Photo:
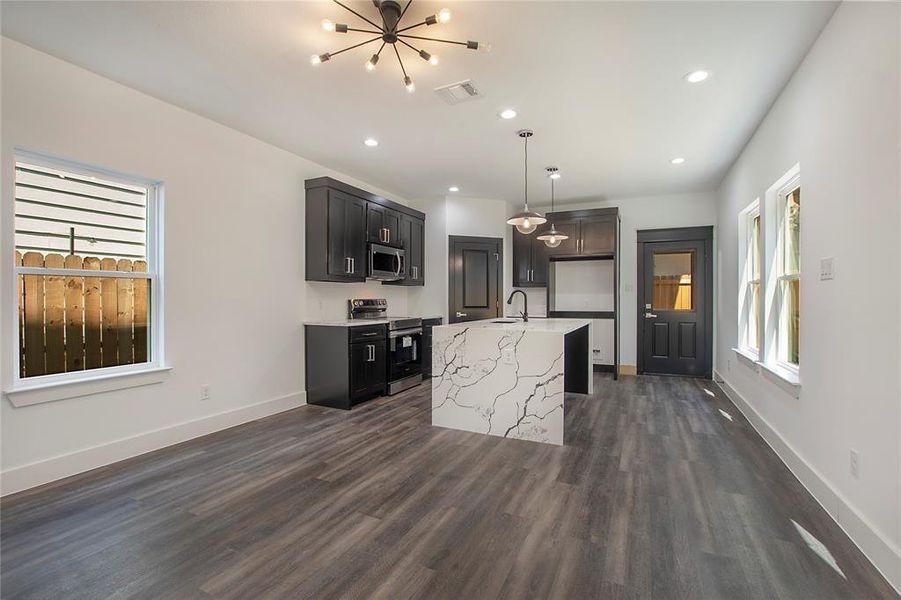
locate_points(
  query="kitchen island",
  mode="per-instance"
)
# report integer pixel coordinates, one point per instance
(506, 377)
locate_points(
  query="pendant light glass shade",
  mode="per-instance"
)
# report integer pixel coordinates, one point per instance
(552, 237)
(527, 221)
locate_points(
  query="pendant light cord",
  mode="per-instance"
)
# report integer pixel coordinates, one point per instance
(525, 174)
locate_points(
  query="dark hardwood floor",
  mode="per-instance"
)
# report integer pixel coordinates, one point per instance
(656, 494)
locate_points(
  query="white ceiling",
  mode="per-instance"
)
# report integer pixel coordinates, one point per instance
(599, 82)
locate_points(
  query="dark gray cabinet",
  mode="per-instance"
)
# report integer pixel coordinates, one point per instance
(530, 256)
(382, 225)
(597, 235)
(345, 365)
(368, 369)
(346, 255)
(342, 220)
(335, 236)
(412, 239)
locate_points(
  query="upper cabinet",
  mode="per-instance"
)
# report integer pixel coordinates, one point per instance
(597, 234)
(592, 232)
(530, 257)
(342, 220)
(383, 225)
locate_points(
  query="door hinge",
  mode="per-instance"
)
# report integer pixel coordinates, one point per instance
(497, 256)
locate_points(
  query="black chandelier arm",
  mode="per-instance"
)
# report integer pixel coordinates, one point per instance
(419, 37)
(409, 27)
(403, 12)
(413, 48)
(382, 47)
(364, 31)
(369, 41)
(345, 7)
(399, 60)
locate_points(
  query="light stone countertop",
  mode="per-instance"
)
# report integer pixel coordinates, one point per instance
(563, 326)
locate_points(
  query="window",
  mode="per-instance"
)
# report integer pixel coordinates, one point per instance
(749, 228)
(87, 271)
(769, 293)
(788, 286)
(672, 280)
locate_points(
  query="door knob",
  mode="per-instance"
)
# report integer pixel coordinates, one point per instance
(648, 315)
(459, 314)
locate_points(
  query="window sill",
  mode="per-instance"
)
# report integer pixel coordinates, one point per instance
(747, 356)
(27, 393)
(788, 380)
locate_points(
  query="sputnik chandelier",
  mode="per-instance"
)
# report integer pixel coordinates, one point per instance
(390, 32)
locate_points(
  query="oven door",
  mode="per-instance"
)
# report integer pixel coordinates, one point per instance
(404, 353)
(386, 263)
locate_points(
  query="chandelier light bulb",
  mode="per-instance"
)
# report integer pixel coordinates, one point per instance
(372, 62)
(552, 242)
(484, 47)
(408, 83)
(315, 60)
(433, 60)
(328, 25)
(444, 15)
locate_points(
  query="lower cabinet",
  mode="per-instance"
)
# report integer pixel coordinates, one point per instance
(345, 365)
(368, 369)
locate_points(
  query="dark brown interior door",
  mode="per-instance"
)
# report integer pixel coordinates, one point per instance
(475, 275)
(674, 311)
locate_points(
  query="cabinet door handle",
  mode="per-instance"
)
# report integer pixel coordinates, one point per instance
(348, 265)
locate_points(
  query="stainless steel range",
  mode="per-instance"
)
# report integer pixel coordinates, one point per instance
(404, 342)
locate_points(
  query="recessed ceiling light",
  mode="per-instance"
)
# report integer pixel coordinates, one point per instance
(371, 142)
(678, 160)
(697, 76)
(508, 113)
(453, 188)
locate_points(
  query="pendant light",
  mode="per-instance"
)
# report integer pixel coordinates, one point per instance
(552, 237)
(526, 221)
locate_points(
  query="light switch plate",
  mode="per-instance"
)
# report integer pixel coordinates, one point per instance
(827, 268)
(509, 356)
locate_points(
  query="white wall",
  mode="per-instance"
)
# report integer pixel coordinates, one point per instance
(839, 118)
(234, 268)
(649, 212)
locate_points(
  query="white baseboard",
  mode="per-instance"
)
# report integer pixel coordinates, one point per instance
(58, 467)
(877, 547)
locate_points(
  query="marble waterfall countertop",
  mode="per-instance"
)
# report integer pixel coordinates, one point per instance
(503, 377)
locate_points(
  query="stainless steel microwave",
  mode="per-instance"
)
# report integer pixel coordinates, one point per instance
(386, 263)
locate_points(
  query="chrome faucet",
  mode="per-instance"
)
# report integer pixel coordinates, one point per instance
(525, 304)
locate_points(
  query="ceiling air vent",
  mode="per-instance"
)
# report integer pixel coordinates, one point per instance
(456, 93)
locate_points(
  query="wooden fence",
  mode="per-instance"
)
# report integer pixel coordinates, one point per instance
(71, 323)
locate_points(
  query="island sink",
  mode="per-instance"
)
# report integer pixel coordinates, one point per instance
(506, 377)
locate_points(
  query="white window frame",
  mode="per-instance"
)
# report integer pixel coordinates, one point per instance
(745, 274)
(774, 255)
(783, 277)
(76, 383)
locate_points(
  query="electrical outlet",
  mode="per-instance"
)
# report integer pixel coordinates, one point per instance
(508, 356)
(827, 268)
(855, 463)
(205, 391)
